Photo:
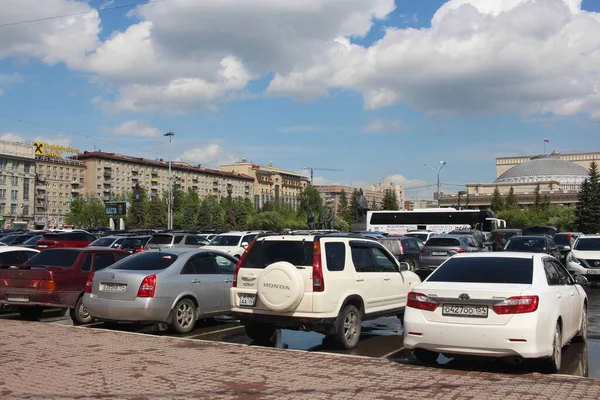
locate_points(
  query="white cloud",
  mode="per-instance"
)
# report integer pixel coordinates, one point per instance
(59, 140)
(211, 155)
(407, 183)
(134, 128)
(12, 137)
(386, 125)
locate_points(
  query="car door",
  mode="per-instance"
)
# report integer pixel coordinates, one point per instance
(206, 282)
(553, 249)
(562, 291)
(368, 280)
(394, 290)
(191, 241)
(568, 284)
(225, 267)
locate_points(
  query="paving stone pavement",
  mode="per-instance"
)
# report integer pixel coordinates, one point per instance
(46, 361)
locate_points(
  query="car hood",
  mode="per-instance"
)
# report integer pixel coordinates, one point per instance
(586, 255)
(225, 249)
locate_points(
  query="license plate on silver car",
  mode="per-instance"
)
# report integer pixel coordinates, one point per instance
(18, 298)
(456, 310)
(438, 253)
(247, 300)
(111, 287)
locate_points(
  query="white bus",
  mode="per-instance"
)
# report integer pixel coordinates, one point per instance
(437, 220)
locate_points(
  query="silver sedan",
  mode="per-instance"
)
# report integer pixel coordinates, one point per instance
(175, 287)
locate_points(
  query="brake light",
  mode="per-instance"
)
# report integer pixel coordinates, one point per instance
(421, 301)
(89, 283)
(240, 262)
(318, 282)
(401, 247)
(138, 250)
(43, 285)
(5, 282)
(517, 305)
(459, 250)
(148, 287)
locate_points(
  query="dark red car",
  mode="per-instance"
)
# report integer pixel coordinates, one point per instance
(64, 239)
(54, 278)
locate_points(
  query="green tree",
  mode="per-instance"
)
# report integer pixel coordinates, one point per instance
(310, 200)
(588, 206)
(390, 200)
(537, 203)
(511, 200)
(94, 213)
(242, 209)
(75, 216)
(210, 214)
(351, 212)
(156, 214)
(342, 206)
(137, 209)
(497, 201)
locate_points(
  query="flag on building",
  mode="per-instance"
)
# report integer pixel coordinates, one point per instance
(546, 140)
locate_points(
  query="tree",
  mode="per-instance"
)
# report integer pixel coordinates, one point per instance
(342, 205)
(511, 200)
(537, 203)
(497, 202)
(75, 216)
(374, 206)
(190, 206)
(156, 214)
(242, 209)
(210, 214)
(588, 206)
(94, 213)
(351, 217)
(310, 200)
(137, 209)
(390, 200)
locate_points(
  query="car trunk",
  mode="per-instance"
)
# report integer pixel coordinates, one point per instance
(119, 284)
(49, 243)
(437, 251)
(25, 275)
(482, 295)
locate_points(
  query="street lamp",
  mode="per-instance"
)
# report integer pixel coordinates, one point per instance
(442, 163)
(170, 191)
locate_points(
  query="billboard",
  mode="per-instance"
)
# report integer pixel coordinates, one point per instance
(115, 208)
(52, 150)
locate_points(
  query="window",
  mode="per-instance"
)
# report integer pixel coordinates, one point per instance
(2, 179)
(589, 244)
(103, 260)
(62, 258)
(13, 209)
(200, 264)
(383, 262)
(485, 270)
(25, 189)
(3, 163)
(552, 275)
(2, 193)
(192, 240)
(147, 261)
(14, 180)
(14, 194)
(361, 257)
(178, 239)
(335, 254)
(25, 210)
(87, 263)
(225, 265)
(248, 238)
(443, 242)
(2, 208)
(534, 245)
(27, 168)
(10, 258)
(266, 252)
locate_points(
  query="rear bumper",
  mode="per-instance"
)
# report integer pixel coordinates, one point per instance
(477, 340)
(323, 325)
(39, 298)
(138, 310)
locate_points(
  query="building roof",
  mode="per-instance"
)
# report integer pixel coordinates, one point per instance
(176, 165)
(549, 168)
(264, 169)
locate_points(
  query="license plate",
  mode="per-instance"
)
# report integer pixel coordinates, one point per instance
(41, 246)
(438, 253)
(18, 298)
(248, 300)
(455, 310)
(111, 287)
(593, 271)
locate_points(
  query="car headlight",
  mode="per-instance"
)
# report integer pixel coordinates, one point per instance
(571, 258)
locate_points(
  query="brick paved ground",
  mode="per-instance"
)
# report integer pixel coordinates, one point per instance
(44, 361)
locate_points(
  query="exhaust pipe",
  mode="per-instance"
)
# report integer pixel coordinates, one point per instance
(302, 328)
(516, 360)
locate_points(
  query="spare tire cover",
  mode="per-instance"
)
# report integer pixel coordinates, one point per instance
(280, 286)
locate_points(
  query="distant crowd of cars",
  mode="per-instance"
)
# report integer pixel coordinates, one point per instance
(454, 296)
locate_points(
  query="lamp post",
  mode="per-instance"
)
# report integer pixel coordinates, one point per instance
(170, 191)
(442, 163)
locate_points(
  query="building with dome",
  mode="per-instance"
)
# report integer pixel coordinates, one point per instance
(555, 178)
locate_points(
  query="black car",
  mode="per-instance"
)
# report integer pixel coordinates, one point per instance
(405, 249)
(539, 230)
(563, 241)
(16, 239)
(533, 244)
(505, 233)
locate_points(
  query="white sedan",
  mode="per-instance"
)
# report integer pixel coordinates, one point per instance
(503, 305)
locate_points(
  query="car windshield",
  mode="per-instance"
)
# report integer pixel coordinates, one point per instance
(33, 240)
(225, 240)
(533, 245)
(266, 252)
(63, 258)
(103, 242)
(485, 270)
(146, 261)
(590, 244)
(420, 236)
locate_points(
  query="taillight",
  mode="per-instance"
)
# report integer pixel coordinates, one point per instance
(459, 250)
(318, 282)
(240, 262)
(421, 301)
(5, 282)
(517, 305)
(148, 287)
(138, 250)
(401, 247)
(89, 283)
(43, 285)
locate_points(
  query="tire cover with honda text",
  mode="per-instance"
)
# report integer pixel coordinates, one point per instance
(280, 286)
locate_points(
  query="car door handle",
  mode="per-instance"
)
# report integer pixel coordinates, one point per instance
(248, 277)
(559, 296)
(386, 279)
(228, 281)
(360, 280)
(196, 281)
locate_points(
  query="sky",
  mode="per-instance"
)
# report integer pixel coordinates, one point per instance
(371, 88)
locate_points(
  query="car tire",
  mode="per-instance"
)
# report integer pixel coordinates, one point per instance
(31, 313)
(259, 332)
(348, 327)
(79, 314)
(184, 316)
(412, 266)
(581, 336)
(552, 364)
(425, 356)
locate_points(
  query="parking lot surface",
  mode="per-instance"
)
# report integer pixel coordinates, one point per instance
(52, 361)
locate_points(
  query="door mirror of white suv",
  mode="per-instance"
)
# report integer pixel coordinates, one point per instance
(404, 266)
(580, 280)
(244, 244)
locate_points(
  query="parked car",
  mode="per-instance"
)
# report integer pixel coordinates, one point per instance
(477, 234)
(12, 256)
(135, 244)
(31, 242)
(17, 239)
(421, 235)
(175, 287)
(533, 244)
(175, 240)
(64, 239)
(439, 248)
(113, 242)
(233, 243)
(323, 283)
(564, 241)
(539, 230)
(54, 278)
(584, 258)
(405, 249)
(505, 234)
(505, 305)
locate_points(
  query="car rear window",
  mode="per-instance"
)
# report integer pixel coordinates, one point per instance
(71, 236)
(161, 239)
(225, 240)
(63, 258)
(534, 245)
(420, 236)
(393, 245)
(133, 243)
(485, 270)
(103, 242)
(444, 242)
(147, 261)
(266, 252)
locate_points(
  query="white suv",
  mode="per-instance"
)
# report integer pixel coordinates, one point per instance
(233, 243)
(325, 283)
(584, 258)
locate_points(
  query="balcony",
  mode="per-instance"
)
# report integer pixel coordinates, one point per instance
(76, 190)
(107, 175)
(154, 172)
(154, 180)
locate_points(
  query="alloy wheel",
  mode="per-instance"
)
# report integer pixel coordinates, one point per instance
(184, 315)
(350, 326)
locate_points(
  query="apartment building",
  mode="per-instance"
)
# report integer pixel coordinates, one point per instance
(383, 186)
(331, 194)
(108, 174)
(17, 183)
(58, 180)
(270, 183)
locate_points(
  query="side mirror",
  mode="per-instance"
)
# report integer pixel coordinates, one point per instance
(581, 280)
(404, 266)
(567, 248)
(244, 244)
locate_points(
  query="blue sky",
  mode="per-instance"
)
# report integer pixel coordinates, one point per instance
(372, 87)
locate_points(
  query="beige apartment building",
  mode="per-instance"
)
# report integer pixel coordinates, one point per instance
(270, 183)
(503, 164)
(330, 194)
(381, 187)
(17, 185)
(108, 174)
(59, 180)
